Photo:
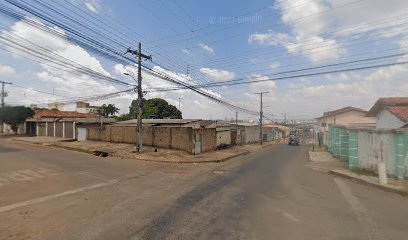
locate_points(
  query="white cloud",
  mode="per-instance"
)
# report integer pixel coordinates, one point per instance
(206, 48)
(186, 51)
(92, 5)
(6, 70)
(269, 38)
(275, 65)
(218, 74)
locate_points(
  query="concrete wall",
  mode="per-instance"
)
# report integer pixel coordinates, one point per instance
(181, 138)
(386, 120)
(8, 131)
(251, 134)
(223, 138)
(374, 147)
(208, 138)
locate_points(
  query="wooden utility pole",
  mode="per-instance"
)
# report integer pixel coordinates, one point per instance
(139, 127)
(261, 117)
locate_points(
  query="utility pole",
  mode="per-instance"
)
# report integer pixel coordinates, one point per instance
(139, 127)
(261, 116)
(3, 95)
(3, 92)
(236, 118)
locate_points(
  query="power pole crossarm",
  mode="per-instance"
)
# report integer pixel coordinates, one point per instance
(261, 117)
(139, 127)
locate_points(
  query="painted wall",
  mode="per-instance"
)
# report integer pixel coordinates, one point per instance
(365, 148)
(386, 120)
(374, 147)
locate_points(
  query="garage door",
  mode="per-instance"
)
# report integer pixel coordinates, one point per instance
(58, 129)
(41, 129)
(69, 132)
(50, 129)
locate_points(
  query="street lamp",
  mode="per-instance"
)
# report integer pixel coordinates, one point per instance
(130, 75)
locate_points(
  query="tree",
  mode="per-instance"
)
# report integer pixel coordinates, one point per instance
(108, 110)
(157, 107)
(14, 116)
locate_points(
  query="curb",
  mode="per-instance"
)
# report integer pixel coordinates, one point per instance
(403, 192)
(191, 162)
(138, 159)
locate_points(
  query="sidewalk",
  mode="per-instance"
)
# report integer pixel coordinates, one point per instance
(326, 163)
(149, 153)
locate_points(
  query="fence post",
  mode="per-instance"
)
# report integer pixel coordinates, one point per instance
(329, 139)
(336, 142)
(353, 149)
(400, 152)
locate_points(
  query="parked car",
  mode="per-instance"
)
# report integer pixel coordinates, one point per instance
(293, 140)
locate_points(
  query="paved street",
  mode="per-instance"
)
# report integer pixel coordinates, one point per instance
(50, 193)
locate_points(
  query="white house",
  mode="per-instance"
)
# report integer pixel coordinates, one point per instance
(391, 113)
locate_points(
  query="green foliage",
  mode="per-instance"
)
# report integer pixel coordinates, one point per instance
(155, 106)
(15, 116)
(108, 110)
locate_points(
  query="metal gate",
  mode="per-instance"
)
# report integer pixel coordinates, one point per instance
(81, 134)
(58, 129)
(233, 137)
(69, 129)
(50, 129)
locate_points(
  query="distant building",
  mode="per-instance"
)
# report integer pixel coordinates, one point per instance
(391, 113)
(56, 106)
(83, 107)
(347, 116)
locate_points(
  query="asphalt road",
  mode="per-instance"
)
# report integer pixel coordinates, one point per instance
(57, 194)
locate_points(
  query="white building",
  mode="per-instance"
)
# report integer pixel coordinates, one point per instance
(83, 107)
(391, 113)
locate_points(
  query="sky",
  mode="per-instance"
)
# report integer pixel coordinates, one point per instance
(211, 41)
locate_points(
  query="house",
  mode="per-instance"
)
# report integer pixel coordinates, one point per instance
(246, 133)
(273, 132)
(83, 107)
(391, 113)
(347, 116)
(63, 124)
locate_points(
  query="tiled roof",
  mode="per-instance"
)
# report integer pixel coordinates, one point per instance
(61, 114)
(341, 110)
(399, 111)
(387, 102)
